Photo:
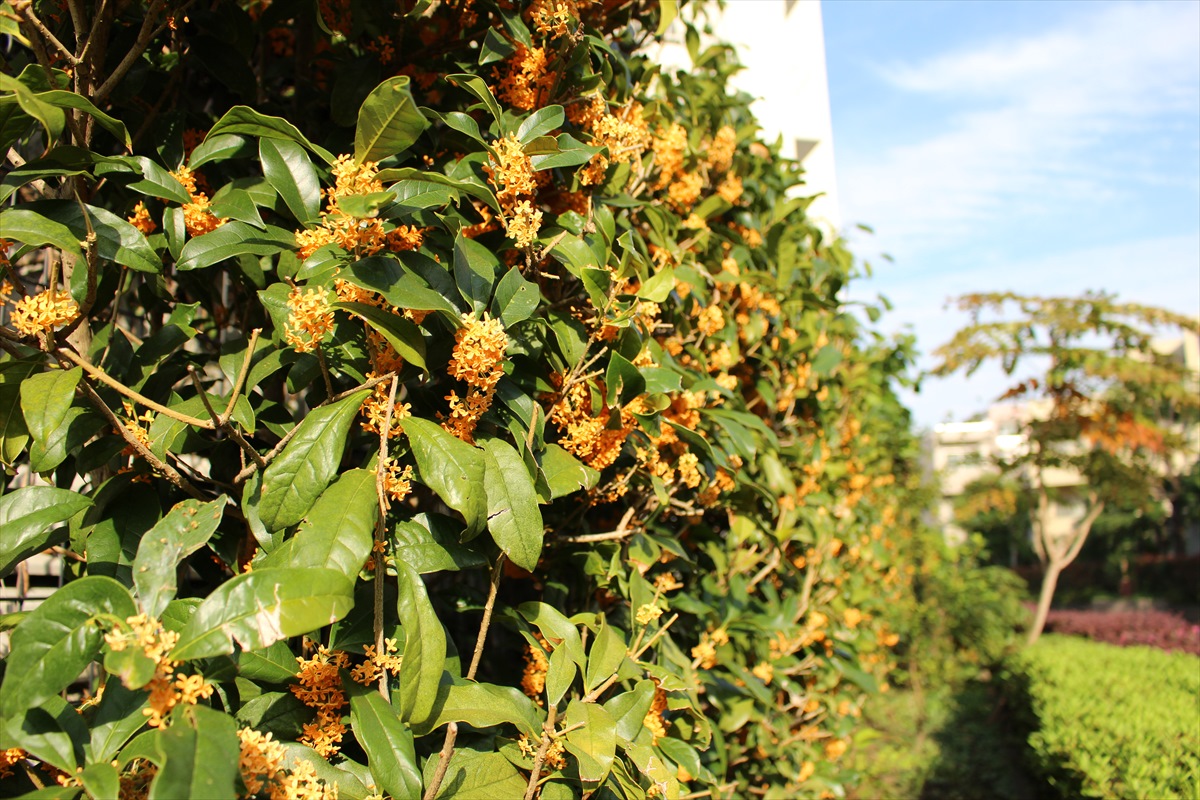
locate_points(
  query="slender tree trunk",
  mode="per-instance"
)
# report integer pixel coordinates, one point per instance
(1049, 581)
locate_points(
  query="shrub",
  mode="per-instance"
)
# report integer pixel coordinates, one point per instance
(1110, 721)
(429, 396)
(1161, 629)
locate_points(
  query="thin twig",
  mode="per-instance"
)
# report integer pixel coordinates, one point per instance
(223, 421)
(540, 759)
(47, 35)
(623, 530)
(376, 552)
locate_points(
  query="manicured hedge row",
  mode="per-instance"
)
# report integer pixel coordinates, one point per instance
(1111, 721)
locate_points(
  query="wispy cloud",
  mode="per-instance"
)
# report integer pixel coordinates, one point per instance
(1038, 113)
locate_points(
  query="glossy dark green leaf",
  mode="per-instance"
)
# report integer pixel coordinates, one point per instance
(658, 287)
(514, 518)
(118, 717)
(50, 731)
(296, 478)
(55, 642)
(232, 239)
(14, 435)
(338, 531)
(556, 629)
(245, 121)
(565, 473)
(131, 665)
(472, 774)
(476, 86)
(594, 743)
(424, 647)
(388, 121)
(28, 226)
(404, 336)
(559, 676)
(29, 517)
(258, 608)
(453, 469)
(516, 298)
(50, 116)
(198, 756)
(495, 48)
(237, 205)
(155, 181)
(473, 188)
(275, 663)
(475, 269)
(463, 123)
(400, 286)
(184, 530)
(387, 742)
(101, 781)
(116, 239)
(540, 123)
(46, 400)
(411, 195)
(623, 379)
(482, 705)
(290, 172)
(278, 713)
(218, 148)
(65, 99)
(430, 544)
(628, 709)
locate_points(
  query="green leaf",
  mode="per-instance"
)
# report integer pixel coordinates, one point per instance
(131, 665)
(623, 380)
(388, 121)
(570, 152)
(471, 188)
(475, 269)
(58, 640)
(50, 116)
(628, 710)
(413, 195)
(273, 664)
(399, 286)
(338, 531)
(556, 629)
(512, 504)
(61, 223)
(45, 400)
(606, 656)
(101, 781)
(185, 529)
(14, 435)
(29, 517)
(540, 123)
(280, 713)
(64, 99)
(516, 298)
(404, 336)
(155, 180)
(668, 10)
(387, 742)
(658, 287)
(475, 85)
(826, 360)
(294, 480)
(51, 731)
(261, 607)
(245, 121)
(472, 774)
(238, 206)
(453, 469)
(482, 705)
(118, 717)
(565, 473)
(232, 239)
(495, 48)
(594, 744)
(427, 546)
(559, 676)
(199, 756)
(424, 647)
(217, 148)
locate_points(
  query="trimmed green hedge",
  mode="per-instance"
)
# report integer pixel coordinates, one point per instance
(1112, 721)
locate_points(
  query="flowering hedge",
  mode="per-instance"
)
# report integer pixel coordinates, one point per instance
(428, 399)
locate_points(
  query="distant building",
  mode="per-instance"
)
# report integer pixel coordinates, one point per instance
(781, 43)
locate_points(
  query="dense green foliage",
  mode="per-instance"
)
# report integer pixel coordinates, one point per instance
(1110, 721)
(429, 398)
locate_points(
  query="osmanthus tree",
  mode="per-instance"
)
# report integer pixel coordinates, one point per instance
(1108, 415)
(427, 399)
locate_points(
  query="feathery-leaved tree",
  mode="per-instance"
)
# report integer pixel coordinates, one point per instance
(1106, 411)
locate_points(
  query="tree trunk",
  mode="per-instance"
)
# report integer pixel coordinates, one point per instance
(1049, 582)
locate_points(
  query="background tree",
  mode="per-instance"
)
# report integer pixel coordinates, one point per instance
(1104, 408)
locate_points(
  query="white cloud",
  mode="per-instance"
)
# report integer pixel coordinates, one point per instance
(1037, 114)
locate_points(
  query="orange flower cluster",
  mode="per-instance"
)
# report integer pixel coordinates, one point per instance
(590, 436)
(553, 18)
(134, 426)
(261, 762)
(320, 688)
(369, 671)
(374, 410)
(397, 482)
(625, 134)
(196, 216)
(526, 83)
(511, 172)
(140, 219)
(9, 758)
(477, 360)
(653, 720)
(310, 318)
(533, 681)
(721, 149)
(43, 312)
(166, 689)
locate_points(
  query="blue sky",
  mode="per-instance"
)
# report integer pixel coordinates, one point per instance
(1039, 147)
